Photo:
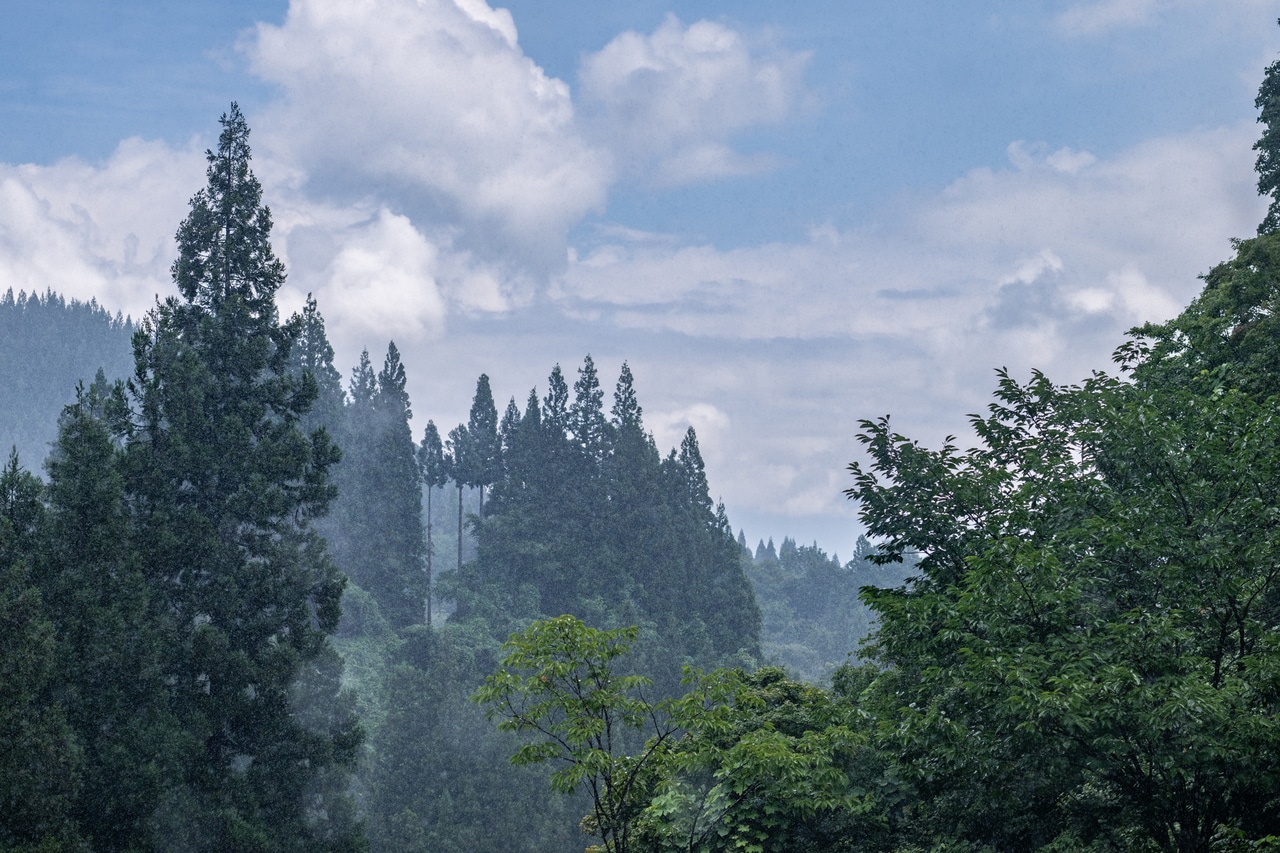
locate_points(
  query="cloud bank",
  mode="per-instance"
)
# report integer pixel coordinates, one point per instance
(425, 174)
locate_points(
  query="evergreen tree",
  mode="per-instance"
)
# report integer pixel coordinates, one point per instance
(586, 416)
(224, 486)
(378, 518)
(507, 429)
(40, 757)
(110, 631)
(312, 353)
(481, 465)
(555, 407)
(397, 559)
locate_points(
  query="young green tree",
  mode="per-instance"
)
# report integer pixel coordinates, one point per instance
(736, 763)
(224, 486)
(557, 683)
(1086, 657)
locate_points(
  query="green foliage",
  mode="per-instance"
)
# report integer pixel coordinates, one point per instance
(557, 682)
(1268, 147)
(605, 533)
(40, 759)
(738, 762)
(766, 764)
(1087, 652)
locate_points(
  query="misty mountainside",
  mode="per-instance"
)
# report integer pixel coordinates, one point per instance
(449, 543)
(813, 617)
(456, 540)
(47, 345)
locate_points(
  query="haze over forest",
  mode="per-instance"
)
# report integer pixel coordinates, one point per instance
(784, 219)
(256, 594)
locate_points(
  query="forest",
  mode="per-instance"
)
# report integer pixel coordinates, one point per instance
(245, 607)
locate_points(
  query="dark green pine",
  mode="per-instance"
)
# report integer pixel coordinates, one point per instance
(481, 466)
(41, 773)
(224, 486)
(401, 562)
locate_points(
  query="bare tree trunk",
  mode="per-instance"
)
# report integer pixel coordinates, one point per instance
(430, 489)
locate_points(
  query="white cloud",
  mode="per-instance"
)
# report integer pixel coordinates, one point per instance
(101, 231)
(1032, 266)
(382, 281)
(1103, 16)
(429, 103)
(708, 421)
(670, 100)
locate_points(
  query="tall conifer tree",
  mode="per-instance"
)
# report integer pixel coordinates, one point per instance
(457, 461)
(396, 558)
(224, 486)
(483, 462)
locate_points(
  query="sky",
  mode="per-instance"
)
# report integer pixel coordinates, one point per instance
(786, 218)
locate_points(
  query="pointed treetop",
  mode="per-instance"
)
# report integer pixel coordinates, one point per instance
(695, 473)
(313, 352)
(555, 406)
(587, 413)
(532, 411)
(435, 471)
(510, 423)
(481, 464)
(626, 406)
(364, 382)
(391, 395)
(224, 247)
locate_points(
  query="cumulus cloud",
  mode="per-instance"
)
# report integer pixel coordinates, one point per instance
(382, 280)
(431, 104)
(101, 231)
(1043, 264)
(669, 101)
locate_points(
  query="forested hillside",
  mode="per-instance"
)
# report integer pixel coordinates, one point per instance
(47, 345)
(814, 619)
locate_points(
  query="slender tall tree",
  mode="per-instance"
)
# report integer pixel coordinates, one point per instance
(457, 453)
(312, 353)
(396, 552)
(435, 473)
(586, 415)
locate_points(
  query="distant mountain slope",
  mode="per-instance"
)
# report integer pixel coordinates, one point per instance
(813, 617)
(47, 345)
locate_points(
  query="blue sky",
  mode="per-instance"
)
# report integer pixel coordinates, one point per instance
(786, 217)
